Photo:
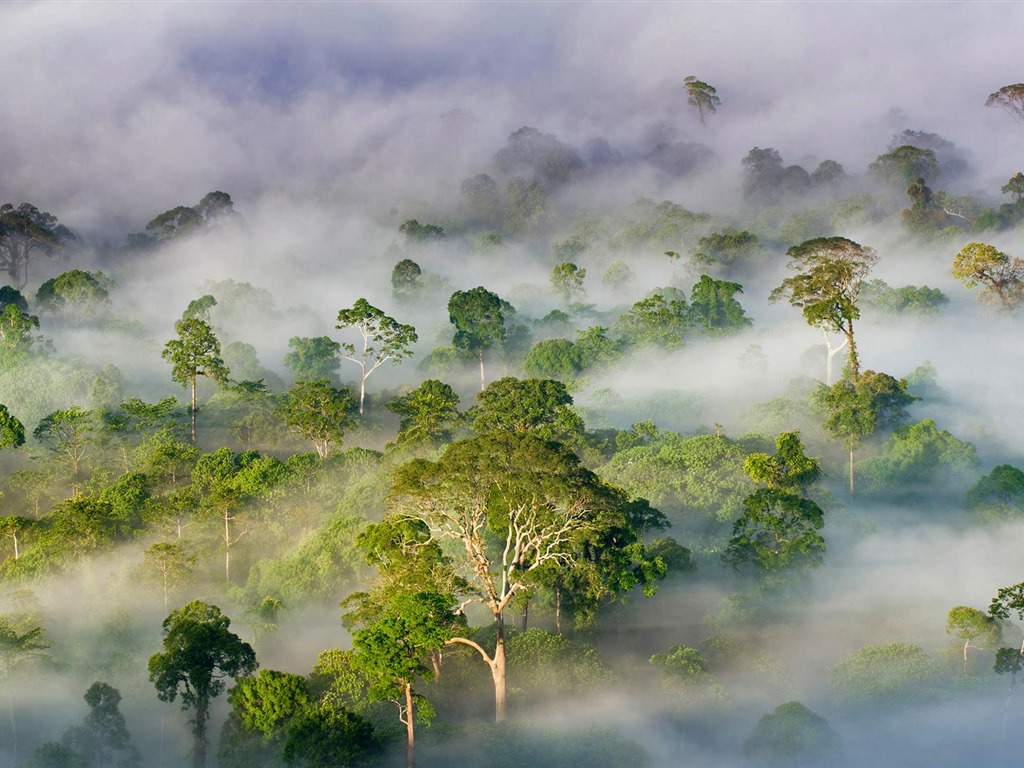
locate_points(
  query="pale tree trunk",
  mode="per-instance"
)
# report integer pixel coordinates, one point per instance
(558, 610)
(410, 730)
(498, 671)
(362, 390)
(480, 354)
(193, 410)
(832, 352)
(851, 470)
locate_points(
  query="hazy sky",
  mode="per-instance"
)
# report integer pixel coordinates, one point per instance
(114, 111)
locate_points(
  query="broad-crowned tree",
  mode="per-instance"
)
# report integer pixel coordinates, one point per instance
(384, 339)
(1009, 98)
(26, 232)
(200, 652)
(1000, 276)
(830, 272)
(427, 414)
(318, 412)
(313, 358)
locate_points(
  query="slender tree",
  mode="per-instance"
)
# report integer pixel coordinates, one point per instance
(479, 319)
(195, 353)
(701, 96)
(383, 339)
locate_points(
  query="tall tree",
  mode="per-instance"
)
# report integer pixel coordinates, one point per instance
(1010, 98)
(1000, 276)
(17, 643)
(701, 96)
(713, 307)
(25, 232)
(103, 735)
(199, 653)
(428, 413)
(195, 353)
(383, 339)
(567, 280)
(512, 504)
(479, 319)
(830, 272)
(318, 412)
(68, 433)
(313, 358)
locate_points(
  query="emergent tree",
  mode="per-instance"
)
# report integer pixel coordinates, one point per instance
(195, 353)
(384, 339)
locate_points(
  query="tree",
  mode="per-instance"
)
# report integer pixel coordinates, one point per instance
(856, 408)
(730, 250)
(886, 672)
(762, 175)
(1010, 98)
(1015, 187)
(168, 564)
(567, 280)
(428, 413)
(199, 653)
(526, 208)
(713, 307)
(538, 406)
(68, 433)
(831, 271)
(406, 279)
(17, 643)
(901, 166)
(513, 504)
(999, 495)
(318, 412)
(701, 96)
(394, 646)
(16, 339)
(384, 339)
(195, 353)
(75, 294)
(215, 210)
(779, 526)
(313, 358)
(479, 319)
(554, 359)
(661, 320)
(792, 735)
(12, 432)
(25, 232)
(970, 624)
(421, 233)
(103, 735)
(1000, 276)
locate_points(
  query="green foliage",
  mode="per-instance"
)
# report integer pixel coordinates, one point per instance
(26, 232)
(103, 737)
(713, 308)
(429, 413)
(554, 359)
(214, 210)
(973, 626)
(830, 271)
(762, 175)
(567, 281)
(919, 460)
(792, 735)
(682, 666)
(701, 96)
(729, 251)
(903, 165)
(778, 531)
(67, 433)
(267, 702)
(527, 211)
(999, 495)
(420, 233)
(547, 666)
(199, 653)
(660, 320)
(535, 406)
(617, 275)
(886, 673)
(1000, 276)
(922, 302)
(330, 737)
(790, 469)
(384, 339)
(196, 352)
(406, 279)
(318, 412)
(12, 432)
(75, 294)
(1009, 98)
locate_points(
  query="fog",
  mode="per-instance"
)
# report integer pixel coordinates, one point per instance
(331, 124)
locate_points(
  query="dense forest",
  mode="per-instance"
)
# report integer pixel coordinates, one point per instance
(576, 450)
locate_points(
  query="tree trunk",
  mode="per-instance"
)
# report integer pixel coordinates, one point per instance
(199, 731)
(362, 392)
(498, 671)
(851, 470)
(480, 354)
(526, 614)
(410, 730)
(227, 548)
(558, 609)
(193, 410)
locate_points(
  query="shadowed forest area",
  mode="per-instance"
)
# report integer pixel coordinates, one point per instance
(459, 410)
